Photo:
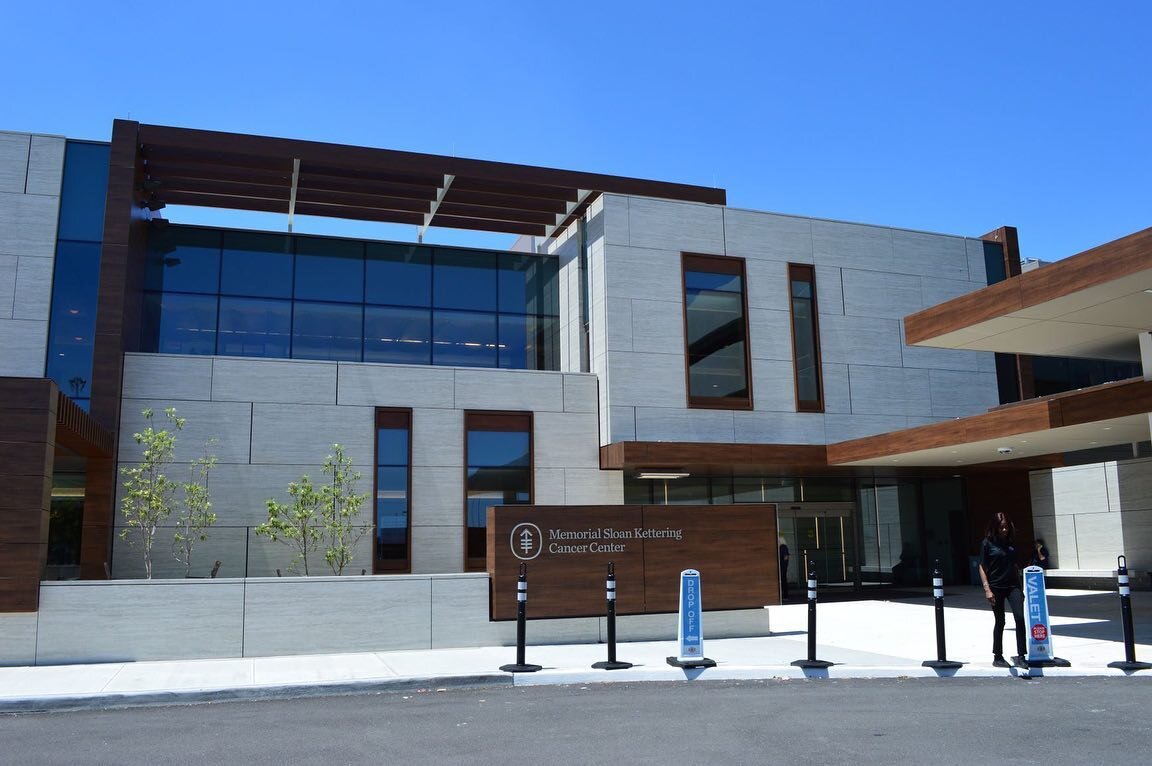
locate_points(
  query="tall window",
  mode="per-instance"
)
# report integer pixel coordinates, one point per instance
(393, 483)
(716, 332)
(805, 338)
(498, 460)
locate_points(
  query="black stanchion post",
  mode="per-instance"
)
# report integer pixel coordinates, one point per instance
(1125, 589)
(812, 662)
(521, 619)
(941, 662)
(612, 663)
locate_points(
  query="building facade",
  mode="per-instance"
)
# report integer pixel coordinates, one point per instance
(642, 342)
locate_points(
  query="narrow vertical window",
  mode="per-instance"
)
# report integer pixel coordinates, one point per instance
(393, 483)
(498, 461)
(805, 338)
(716, 332)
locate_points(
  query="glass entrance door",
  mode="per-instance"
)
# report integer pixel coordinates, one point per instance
(819, 534)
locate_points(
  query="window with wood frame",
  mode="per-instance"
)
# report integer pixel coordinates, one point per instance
(716, 332)
(498, 471)
(392, 550)
(805, 338)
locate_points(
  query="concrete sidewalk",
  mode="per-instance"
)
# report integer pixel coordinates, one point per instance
(866, 639)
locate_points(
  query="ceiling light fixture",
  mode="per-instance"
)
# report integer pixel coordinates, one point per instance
(663, 473)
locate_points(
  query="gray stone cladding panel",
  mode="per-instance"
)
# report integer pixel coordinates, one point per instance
(840, 428)
(1041, 491)
(24, 343)
(385, 385)
(682, 226)
(566, 440)
(228, 423)
(437, 437)
(829, 290)
(437, 495)
(273, 380)
(977, 270)
(13, 162)
(852, 245)
(767, 286)
(861, 340)
(680, 425)
(945, 359)
(591, 486)
(837, 388)
(930, 255)
(235, 547)
(874, 294)
(657, 326)
(18, 639)
(519, 390)
(593, 222)
(1081, 490)
(303, 434)
(890, 391)
(163, 376)
(438, 549)
(33, 289)
(770, 334)
(619, 332)
(603, 410)
(581, 393)
(615, 215)
(460, 618)
(779, 428)
(45, 165)
(752, 234)
(266, 557)
(329, 615)
(1137, 539)
(1064, 549)
(622, 426)
(548, 486)
(8, 264)
(1099, 540)
(958, 394)
(935, 291)
(654, 380)
(28, 225)
(645, 273)
(773, 385)
(125, 621)
(1134, 485)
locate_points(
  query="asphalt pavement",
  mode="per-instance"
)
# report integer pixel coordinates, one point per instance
(884, 637)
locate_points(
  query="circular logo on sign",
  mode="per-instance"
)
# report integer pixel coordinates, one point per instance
(1039, 632)
(527, 541)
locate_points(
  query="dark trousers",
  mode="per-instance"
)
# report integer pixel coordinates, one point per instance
(1015, 599)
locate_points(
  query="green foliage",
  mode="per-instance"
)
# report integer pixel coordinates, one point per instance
(149, 494)
(197, 515)
(295, 524)
(327, 518)
(340, 507)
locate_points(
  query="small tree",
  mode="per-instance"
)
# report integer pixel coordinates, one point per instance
(295, 524)
(340, 507)
(196, 515)
(148, 492)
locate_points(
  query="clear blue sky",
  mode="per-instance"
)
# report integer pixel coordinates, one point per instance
(950, 117)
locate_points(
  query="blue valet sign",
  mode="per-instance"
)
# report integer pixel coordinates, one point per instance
(1036, 616)
(690, 636)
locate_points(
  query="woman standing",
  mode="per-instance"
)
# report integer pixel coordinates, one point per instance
(1000, 573)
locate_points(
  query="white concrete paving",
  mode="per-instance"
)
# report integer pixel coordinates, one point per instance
(865, 639)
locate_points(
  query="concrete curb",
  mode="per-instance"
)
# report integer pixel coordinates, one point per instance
(57, 704)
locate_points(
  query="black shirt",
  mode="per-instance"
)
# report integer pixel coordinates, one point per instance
(998, 558)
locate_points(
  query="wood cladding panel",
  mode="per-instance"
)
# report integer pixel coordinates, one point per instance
(733, 546)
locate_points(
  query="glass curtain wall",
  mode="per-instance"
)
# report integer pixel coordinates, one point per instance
(234, 293)
(498, 456)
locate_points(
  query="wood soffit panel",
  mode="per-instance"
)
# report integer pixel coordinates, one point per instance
(1085, 305)
(245, 172)
(1037, 429)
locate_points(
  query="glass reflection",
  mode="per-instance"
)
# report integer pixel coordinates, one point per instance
(180, 324)
(327, 331)
(259, 327)
(257, 265)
